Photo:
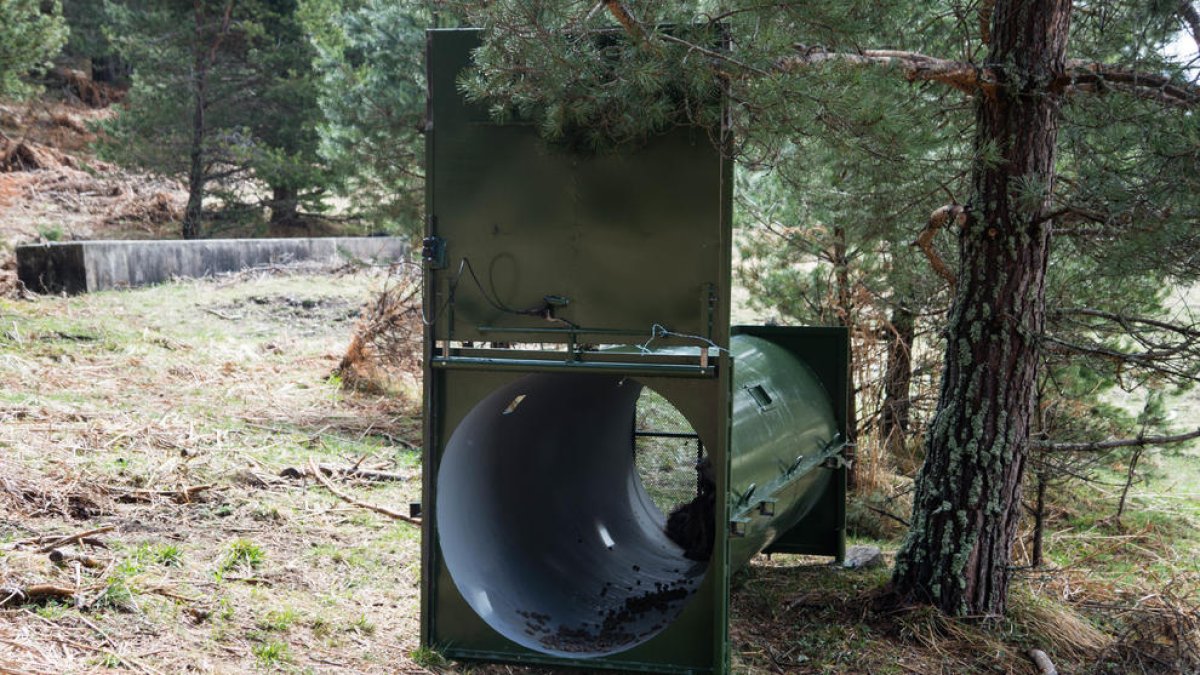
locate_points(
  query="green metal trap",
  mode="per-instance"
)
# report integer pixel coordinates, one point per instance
(602, 450)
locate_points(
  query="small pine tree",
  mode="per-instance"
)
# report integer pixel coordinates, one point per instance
(223, 94)
(31, 34)
(370, 56)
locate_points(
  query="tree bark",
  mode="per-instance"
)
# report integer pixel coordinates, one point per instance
(897, 381)
(967, 502)
(1039, 523)
(193, 213)
(204, 60)
(285, 207)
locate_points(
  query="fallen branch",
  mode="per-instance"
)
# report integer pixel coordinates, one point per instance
(168, 593)
(182, 496)
(1097, 446)
(352, 471)
(129, 660)
(34, 541)
(220, 315)
(13, 595)
(71, 539)
(320, 476)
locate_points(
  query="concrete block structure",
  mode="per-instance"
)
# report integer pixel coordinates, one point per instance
(87, 266)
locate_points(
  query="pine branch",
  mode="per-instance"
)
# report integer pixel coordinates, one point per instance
(216, 45)
(1098, 446)
(1189, 16)
(1078, 76)
(623, 16)
(985, 20)
(965, 77)
(1127, 322)
(939, 219)
(1154, 360)
(1092, 76)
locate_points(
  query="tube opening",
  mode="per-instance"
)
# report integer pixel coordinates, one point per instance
(553, 514)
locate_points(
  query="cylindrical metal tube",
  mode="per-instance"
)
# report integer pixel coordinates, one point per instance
(783, 430)
(548, 532)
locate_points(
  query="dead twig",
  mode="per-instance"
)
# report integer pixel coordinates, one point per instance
(353, 471)
(940, 219)
(887, 514)
(185, 495)
(220, 315)
(1140, 441)
(70, 539)
(61, 557)
(320, 476)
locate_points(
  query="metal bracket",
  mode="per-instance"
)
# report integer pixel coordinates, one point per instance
(433, 252)
(838, 461)
(737, 527)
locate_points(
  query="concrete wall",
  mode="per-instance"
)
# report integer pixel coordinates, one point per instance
(83, 266)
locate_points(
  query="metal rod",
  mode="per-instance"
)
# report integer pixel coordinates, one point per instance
(578, 330)
(666, 434)
(648, 369)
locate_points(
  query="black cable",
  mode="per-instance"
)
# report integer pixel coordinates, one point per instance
(545, 310)
(449, 297)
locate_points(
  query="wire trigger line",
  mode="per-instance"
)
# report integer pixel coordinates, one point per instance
(660, 331)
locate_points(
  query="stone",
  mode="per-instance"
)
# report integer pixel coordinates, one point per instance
(862, 557)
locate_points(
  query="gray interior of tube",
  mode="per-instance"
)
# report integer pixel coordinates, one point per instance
(545, 526)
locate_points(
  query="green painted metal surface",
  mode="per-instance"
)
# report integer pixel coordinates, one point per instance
(628, 240)
(784, 431)
(540, 544)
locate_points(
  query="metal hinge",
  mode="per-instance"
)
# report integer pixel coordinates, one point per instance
(433, 252)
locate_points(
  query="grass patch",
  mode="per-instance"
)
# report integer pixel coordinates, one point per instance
(241, 555)
(272, 653)
(426, 657)
(279, 620)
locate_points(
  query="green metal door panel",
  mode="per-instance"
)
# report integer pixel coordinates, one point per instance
(534, 219)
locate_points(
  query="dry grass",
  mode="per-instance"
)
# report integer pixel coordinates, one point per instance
(113, 404)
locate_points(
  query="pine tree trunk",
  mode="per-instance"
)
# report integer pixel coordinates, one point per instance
(285, 207)
(897, 381)
(967, 502)
(1039, 523)
(194, 211)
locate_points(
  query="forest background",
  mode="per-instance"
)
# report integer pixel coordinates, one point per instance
(862, 178)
